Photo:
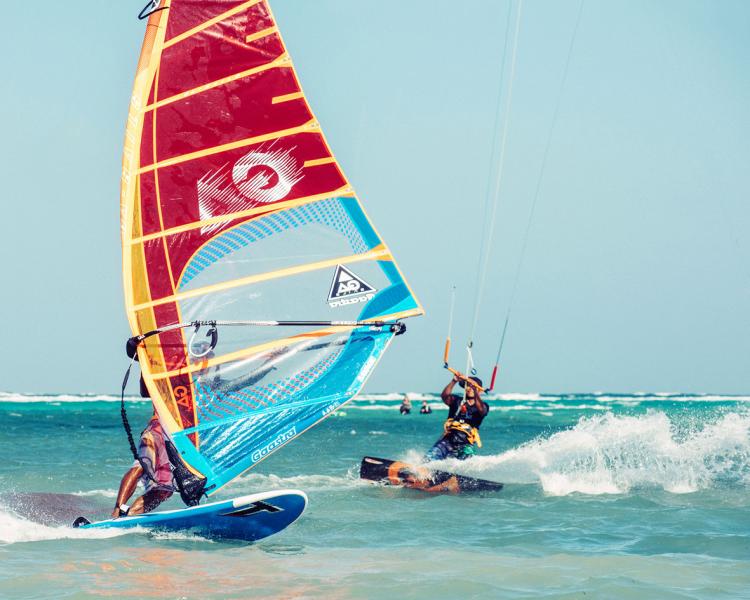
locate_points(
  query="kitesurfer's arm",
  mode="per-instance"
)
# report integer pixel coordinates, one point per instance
(127, 487)
(447, 393)
(480, 404)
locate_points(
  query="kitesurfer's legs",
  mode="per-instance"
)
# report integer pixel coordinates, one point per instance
(449, 447)
(465, 451)
(443, 448)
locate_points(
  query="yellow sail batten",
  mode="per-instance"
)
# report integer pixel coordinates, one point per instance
(379, 253)
(217, 19)
(253, 37)
(320, 161)
(343, 192)
(287, 97)
(281, 61)
(308, 127)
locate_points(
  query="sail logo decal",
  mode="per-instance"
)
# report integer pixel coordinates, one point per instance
(261, 176)
(348, 288)
(280, 440)
(254, 508)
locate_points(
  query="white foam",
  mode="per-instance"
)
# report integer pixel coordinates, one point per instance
(390, 400)
(180, 536)
(14, 529)
(13, 397)
(516, 396)
(104, 493)
(259, 481)
(610, 454)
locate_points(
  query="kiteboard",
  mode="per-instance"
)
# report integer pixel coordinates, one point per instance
(392, 472)
(247, 518)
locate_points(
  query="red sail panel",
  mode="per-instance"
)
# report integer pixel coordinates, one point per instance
(185, 16)
(219, 51)
(244, 109)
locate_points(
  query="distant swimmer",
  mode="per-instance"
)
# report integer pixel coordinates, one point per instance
(157, 476)
(425, 409)
(405, 407)
(461, 430)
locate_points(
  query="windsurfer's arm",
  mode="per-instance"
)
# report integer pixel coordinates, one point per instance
(447, 393)
(127, 487)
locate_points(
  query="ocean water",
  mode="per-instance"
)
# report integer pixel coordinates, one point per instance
(607, 496)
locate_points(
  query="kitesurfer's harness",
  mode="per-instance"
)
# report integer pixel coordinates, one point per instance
(471, 432)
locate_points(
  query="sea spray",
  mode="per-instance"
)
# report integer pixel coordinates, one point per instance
(15, 529)
(251, 482)
(375, 541)
(612, 454)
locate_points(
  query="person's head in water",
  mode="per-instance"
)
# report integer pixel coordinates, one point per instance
(472, 391)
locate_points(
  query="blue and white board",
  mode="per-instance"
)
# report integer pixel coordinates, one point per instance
(249, 518)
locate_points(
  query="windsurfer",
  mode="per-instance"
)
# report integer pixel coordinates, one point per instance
(152, 468)
(461, 430)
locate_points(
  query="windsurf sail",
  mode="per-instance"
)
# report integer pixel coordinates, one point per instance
(259, 293)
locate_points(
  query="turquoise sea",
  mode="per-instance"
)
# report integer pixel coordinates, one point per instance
(607, 496)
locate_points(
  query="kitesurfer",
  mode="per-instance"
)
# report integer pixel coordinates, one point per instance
(152, 468)
(461, 430)
(425, 408)
(405, 407)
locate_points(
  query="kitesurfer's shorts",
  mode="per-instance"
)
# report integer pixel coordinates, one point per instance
(449, 447)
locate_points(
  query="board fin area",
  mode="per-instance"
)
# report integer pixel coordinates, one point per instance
(392, 472)
(248, 518)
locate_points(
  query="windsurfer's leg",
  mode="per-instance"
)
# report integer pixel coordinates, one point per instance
(127, 487)
(148, 502)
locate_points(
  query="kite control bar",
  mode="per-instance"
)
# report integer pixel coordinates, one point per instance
(463, 377)
(131, 346)
(447, 350)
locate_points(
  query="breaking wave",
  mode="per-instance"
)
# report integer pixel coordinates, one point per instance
(611, 454)
(20, 398)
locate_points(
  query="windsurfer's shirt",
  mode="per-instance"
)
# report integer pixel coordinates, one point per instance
(468, 414)
(152, 451)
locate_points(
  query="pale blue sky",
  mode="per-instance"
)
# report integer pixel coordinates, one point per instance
(636, 275)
